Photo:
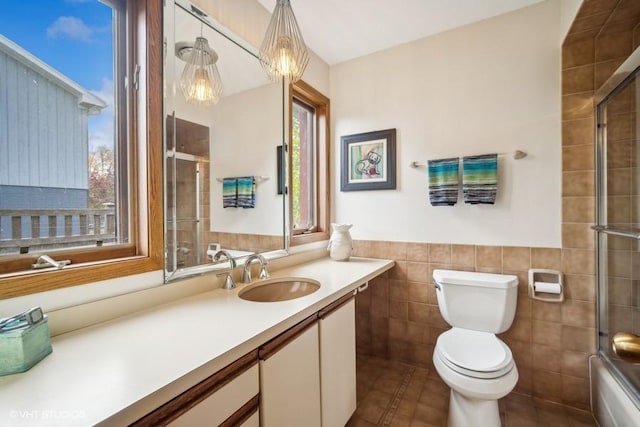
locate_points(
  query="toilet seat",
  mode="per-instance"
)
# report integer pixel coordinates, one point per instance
(475, 354)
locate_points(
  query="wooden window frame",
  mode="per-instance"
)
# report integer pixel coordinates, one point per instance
(309, 161)
(145, 252)
(312, 97)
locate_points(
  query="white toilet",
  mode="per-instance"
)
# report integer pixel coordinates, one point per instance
(470, 359)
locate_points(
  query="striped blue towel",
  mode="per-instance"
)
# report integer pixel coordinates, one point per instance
(230, 192)
(480, 179)
(443, 181)
(246, 192)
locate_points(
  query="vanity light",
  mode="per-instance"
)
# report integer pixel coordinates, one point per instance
(283, 52)
(200, 80)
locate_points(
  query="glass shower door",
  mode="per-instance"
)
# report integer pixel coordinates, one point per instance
(186, 168)
(618, 231)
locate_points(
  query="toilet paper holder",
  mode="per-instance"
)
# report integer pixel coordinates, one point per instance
(546, 285)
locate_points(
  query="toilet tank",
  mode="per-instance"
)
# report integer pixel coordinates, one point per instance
(478, 301)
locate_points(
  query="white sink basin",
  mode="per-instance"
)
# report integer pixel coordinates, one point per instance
(279, 289)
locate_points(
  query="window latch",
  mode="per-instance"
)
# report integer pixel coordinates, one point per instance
(45, 261)
(136, 78)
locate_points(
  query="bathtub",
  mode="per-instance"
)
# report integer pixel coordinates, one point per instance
(610, 403)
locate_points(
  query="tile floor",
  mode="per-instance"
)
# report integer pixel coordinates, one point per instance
(397, 394)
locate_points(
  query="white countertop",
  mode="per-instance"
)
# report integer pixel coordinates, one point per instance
(115, 372)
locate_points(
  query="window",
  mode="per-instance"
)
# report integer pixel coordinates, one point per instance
(303, 194)
(308, 160)
(81, 142)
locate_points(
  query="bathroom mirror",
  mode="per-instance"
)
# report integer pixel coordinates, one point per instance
(230, 145)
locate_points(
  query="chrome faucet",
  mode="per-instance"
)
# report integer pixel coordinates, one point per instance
(228, 280)
(223, 253)
(246, 269)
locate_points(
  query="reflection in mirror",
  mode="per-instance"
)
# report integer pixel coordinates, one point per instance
(187, 167)
(220, 159)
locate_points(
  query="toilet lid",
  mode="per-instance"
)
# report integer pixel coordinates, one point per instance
(473, 353)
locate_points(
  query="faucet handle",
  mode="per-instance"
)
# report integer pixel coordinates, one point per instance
(228, 281)
(264, 273)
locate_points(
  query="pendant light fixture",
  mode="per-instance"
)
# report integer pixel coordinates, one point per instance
(283, 52)
(200, 80)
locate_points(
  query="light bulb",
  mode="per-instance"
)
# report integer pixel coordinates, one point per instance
(283, 52)
(285, 63)
(200, 88)
(200, 80)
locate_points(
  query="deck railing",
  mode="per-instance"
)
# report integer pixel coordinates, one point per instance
(27, 230)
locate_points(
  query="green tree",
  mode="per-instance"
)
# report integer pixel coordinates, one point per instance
(295, 171)
(101, 177)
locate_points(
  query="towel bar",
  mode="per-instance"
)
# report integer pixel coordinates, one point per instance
(258, 178)
(517, 155)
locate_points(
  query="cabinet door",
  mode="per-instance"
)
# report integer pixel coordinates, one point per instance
(253, 420)
(219, 406)
(229, 397)
(338, 365)
(290, 383)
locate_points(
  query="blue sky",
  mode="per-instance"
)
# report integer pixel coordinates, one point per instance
(73, 36)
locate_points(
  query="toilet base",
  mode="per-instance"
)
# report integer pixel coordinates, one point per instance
(469, 412)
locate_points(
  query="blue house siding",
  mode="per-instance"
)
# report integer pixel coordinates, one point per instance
(19, 197)
(43, 130)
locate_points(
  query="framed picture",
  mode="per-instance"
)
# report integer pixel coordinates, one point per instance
(368, 161)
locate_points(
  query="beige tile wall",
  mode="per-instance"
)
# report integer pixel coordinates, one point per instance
(243, 241)
(399, 317)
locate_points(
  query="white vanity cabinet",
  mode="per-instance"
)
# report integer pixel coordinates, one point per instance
(230, 397)
(306, 376)
(308, 373)
(290, 378)
(338, 362)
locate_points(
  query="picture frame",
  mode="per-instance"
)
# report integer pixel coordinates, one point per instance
(368, 161)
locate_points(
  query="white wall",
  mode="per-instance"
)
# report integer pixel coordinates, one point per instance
(246, 128)
(493, 86)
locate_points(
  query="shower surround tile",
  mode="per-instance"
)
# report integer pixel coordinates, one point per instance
(578, 79)
(577, 132)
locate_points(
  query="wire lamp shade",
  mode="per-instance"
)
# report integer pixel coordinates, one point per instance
(283, 52)
(200, 80)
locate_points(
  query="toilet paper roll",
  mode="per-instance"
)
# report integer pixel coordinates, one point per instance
(548, 288)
